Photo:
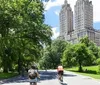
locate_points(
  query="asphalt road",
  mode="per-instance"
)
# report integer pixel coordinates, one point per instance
(50, 78)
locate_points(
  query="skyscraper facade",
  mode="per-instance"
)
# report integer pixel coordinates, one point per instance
(83, 14)
(83, 22)
(66, 20)
(84, 19)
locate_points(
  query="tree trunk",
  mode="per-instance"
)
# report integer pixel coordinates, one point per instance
(5, 69)
(19, 66)
(5, 63)
(80, 66)
(10, 67)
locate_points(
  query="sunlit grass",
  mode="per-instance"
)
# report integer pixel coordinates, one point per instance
(91, 71)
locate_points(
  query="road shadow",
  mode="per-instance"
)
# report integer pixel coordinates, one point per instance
(47, 75)
(63, 83)
(17, 79)
(44, 75)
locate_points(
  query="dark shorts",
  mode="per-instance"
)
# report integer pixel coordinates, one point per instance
(60, 72)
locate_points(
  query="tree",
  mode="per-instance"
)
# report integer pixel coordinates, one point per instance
(85, 40)
(22, 30)
(83, 54)
(98, 63)
(53, 53)
(77, 54)
(92, 47)
(68, 57)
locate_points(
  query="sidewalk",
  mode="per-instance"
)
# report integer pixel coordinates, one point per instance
(78, 76)
(49, 78)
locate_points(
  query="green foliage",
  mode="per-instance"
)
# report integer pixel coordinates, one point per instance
(77, 54)
(22, 32)
(85, 40)
(98, 61)
(53, 54)
(83, 54)
(93, 49)
(68, 59)
(98, 52)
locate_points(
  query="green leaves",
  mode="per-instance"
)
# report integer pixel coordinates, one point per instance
(53, 54)
(22, 29)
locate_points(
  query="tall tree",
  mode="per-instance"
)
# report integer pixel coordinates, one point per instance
(92, 47)
(23, 22)
(82, 54)
(77, 54)
(68, 57)
(53, 54)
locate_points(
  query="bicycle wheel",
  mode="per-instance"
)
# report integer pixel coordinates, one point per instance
(61, 79)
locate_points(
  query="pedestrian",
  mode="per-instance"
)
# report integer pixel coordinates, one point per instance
(33, 75)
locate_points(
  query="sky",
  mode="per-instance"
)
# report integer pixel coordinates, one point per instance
(53, 7)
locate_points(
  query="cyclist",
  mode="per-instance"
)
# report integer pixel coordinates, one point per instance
(60, 71)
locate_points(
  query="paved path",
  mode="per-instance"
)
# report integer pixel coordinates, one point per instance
(50, 78)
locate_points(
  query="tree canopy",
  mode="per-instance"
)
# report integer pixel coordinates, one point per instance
(53, 54)
(22, 32)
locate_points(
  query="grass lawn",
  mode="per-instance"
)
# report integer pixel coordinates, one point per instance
(91, 71)
(7, 75)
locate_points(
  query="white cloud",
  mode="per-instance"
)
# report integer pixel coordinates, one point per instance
(55, 33)
(51, 4)
(57, 12)
(96, 6)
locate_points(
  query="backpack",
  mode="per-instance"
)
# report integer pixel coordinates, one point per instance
(32, 74)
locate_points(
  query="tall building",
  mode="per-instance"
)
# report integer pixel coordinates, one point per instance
(66, 20)
(84, 19)
(83, 14)
(83, 22)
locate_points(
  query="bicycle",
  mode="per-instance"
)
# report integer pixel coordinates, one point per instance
(60, 78)
(60, 73)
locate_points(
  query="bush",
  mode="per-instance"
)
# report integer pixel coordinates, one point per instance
(98, 62)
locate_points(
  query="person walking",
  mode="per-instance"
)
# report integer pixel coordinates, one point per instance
(33, 75)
